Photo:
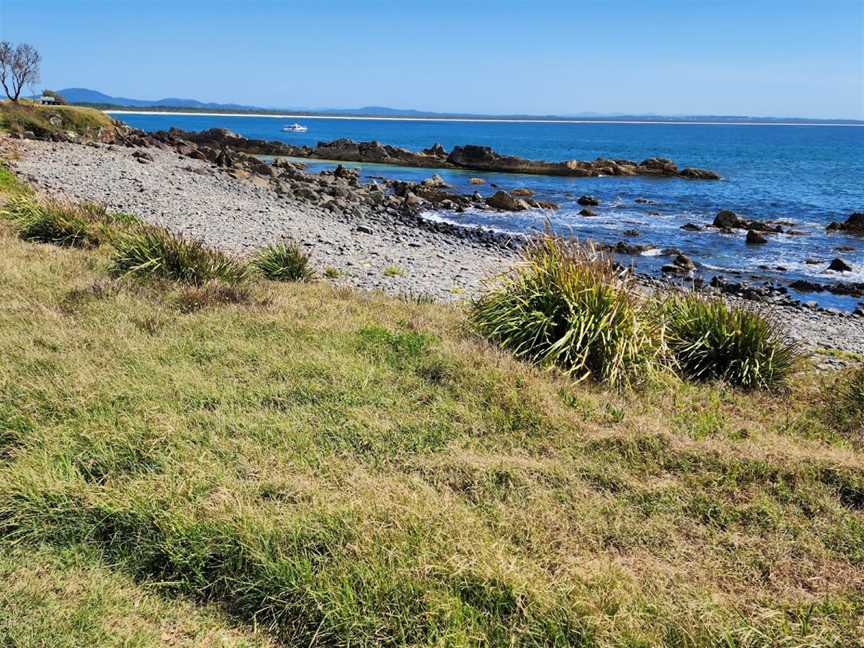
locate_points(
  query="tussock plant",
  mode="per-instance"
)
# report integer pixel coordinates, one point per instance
(53, 221)
(568, 306)
(845, 404)
(710, 340)
(284, 262)
(157, 253)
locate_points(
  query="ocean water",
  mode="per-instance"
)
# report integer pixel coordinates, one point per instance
(803, 175)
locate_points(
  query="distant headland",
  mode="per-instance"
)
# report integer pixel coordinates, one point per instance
(96, 99)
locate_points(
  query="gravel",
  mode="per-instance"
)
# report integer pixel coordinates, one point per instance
(239, 216)
(194, 198)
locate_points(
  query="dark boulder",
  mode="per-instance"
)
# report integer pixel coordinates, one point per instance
(839, 265)
(852, 225)
(630, 249)
(691, 227)
(588, 201)
(658, 165)
(755, 238)
(142, 156)
(683, 261)
(729, 220)
(585, 211)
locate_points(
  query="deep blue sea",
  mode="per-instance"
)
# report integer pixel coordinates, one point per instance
(806, 175)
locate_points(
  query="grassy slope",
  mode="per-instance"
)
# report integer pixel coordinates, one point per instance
(330, 467)
(43, 120)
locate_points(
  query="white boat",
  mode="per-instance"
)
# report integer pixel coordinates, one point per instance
(295, 128)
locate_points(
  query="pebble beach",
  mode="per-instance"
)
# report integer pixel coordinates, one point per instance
(369, 251)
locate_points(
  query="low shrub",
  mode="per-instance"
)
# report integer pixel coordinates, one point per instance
(53, 221)
(157, 253)
(568, 306)
(284, 262)
(710, 339)
(844, 404)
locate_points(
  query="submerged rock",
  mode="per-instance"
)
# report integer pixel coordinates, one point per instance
(699, 174)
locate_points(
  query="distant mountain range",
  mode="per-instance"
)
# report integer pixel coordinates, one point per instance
(86, 96)
(99, 99)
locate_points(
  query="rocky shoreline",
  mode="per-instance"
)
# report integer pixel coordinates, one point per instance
(470, 157)
(368, 236)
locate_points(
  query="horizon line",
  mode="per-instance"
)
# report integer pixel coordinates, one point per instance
(523, 120)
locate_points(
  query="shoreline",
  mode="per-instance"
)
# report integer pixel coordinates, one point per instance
(240, 215)
(474, 119)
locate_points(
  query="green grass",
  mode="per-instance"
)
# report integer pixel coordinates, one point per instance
(10, 186)
(45, 121)
(67, 598)
(568, 307)
(57, 222)
(711, 340)
(152, 252)
(332, 273)
(284, 262)
(318, 466)
(393, 271)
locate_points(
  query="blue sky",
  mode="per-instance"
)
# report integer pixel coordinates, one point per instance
(748, 57)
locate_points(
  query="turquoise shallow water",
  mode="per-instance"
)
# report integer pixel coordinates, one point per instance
(808, 175)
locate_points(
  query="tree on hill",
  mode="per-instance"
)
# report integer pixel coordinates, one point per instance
(59, 99)
(19, 66)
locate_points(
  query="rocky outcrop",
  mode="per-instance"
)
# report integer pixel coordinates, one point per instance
(844, 289)
(477, 158)
(853, 225)
(338, 190)
(484, 158)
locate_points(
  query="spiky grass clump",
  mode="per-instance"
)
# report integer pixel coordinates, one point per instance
(53, 221)
(284, 262)
(712, 340)
(845, 404)
(568, 306)
(157, 253)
